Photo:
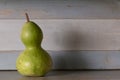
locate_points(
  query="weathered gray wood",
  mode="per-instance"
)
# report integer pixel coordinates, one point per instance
(64, 75)
(65, 34)
(69, 59)
(60, 9)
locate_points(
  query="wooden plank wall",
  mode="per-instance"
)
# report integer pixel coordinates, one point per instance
(60, 9)
(65, 34)
(67, 24)
(79, 34)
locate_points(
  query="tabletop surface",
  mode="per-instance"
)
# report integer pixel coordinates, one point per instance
(64, 75)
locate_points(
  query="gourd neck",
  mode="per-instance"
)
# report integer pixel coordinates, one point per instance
(33, 47)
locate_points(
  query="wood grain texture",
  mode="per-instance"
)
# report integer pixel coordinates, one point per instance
(64, 75)
(69, 59)
(65, 34)
(60, 9)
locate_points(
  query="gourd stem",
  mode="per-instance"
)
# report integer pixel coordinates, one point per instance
(27, 17)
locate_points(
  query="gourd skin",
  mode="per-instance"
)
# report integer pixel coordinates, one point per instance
(31, 35)
(34, 60)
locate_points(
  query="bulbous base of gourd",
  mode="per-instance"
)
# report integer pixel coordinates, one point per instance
(34, 62)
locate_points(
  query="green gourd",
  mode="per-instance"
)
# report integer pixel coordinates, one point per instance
(34, 60)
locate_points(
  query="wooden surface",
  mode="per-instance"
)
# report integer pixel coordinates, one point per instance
(67, 25)
(65, 34)
(64, 75)
(69, 60)
(60, 9)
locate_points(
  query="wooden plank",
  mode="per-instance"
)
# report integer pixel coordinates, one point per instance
(65, 75)
(65, 34)
(69, 59)
(60, 9)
